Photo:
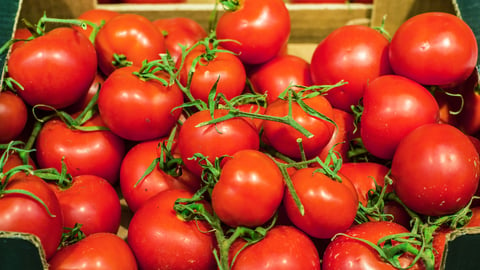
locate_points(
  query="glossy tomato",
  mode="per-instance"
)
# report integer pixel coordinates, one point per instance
(393, 106)
(259, 29)
(162, 240)
(13, 116)
(137, 109)
(425, 44)
(55, 69)
(95, 252)
(97, 16)
(444, 175)
(355, 54)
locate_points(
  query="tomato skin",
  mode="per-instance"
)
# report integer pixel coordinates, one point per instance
(131, 35)
(284, 247)
(83, 152)
(276, 75)
(161, 240)
(330, 206)
(61, 66)
(96, 16)
(355, 54)
(96, 251)
(91, 201)
(136, 109)
(445, 174)
(423, 45)
(249, 190)
(13, 116)
(283, 137)
(20, 213)
(214, 141)
(393, 106)
(261, 28)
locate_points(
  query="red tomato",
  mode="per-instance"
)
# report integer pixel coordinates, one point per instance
(21, 213)
(259, 29)
(161, 240)
(330, 205)
(13, 116)
(83, 152)
(444, 175)
(224, 67)
(214, 140)
(355, 54)
(21, 35)
(137, 109)
(131, 35)
(91, 201)
(348, 253)
(96, 251)
(283, 137)
(425, 44)
(179, 31)
(134, 165)
(393, 106)
(61, 59)
(253, 108)
(284, 247)
(249, 190)
(96, 16)
(80, 105)
(276, 75)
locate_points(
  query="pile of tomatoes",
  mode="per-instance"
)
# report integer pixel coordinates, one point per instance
(232, 153)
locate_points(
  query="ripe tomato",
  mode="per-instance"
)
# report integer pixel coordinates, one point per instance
(22, 213)
(276, 75)
(96, 16)
(330, 205)
(214, 140)
(260, 29)
(131, 35)
(249, 190)
(283, 137)
(284, 247)
(161, 240)
(224, 67)
(83, 152)
(96, 251)
(444, 175)
(21, 34)
(392, 107)
(344, 252)
(355, 54)
(425, 44)
(91, 201)
(179, 31)
(80, 105)
(137, 109)
(55, 69)
(13, 116)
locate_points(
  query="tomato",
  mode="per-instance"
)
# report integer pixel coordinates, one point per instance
(330, 205)
(97, 16)
(275, 76)
(249, 190)
(214, 140)
(393, 106)
(80, 105)
(13, 116)
(253, 108)
(224, 67)
(283, 137)
(130, 35)
(55, 69)
(137, 109)
(96, 251)
(284, 247)
(91, 201)
(259, 29)
(21, 35)
(135, 164)
(22, 213)
(444, 175)
(344, 252)
(161, 240)
(83, 152)
(179, 31)
(425, 44)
